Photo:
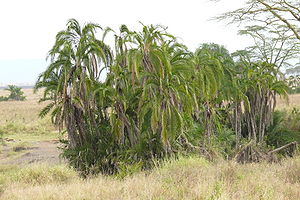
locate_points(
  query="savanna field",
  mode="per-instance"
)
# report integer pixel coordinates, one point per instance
(202, 103)
(30, 168)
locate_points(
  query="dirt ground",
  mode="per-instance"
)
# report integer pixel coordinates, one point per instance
(39, 151)
(20, 124)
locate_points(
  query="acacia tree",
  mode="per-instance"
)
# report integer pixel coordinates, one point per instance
(269, 13)
(271, 45)
(279, 19)
(273, 26)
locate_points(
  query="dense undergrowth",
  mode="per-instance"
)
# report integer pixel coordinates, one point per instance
(285, 128)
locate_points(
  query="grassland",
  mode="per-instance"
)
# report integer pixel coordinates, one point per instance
(293, 102)
(19, 119)
(23, 131)
(186, 178)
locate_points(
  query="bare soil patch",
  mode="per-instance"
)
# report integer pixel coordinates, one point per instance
(39, 151)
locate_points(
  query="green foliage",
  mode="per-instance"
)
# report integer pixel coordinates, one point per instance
(294, 84)
(158, 98)
(225, 142)
(294, 90)
(36, 174)
(284, 129)
(259, 83)
(16, 94)
(104, 155)
(2, 98)
(126, 169)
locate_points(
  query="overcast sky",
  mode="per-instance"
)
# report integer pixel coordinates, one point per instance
(28, 27)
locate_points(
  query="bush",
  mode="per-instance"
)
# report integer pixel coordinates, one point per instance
(285, 128)
(294, 90)
(16, 94)
(102, 155)
(221, 144)
(2, 98)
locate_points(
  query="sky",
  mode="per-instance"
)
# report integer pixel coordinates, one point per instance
(28, 28)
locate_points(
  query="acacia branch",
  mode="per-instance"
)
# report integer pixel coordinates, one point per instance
(272, 10)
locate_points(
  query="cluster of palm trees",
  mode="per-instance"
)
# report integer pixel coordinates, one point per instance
(155, 91)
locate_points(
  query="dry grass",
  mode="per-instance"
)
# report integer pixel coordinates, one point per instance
(186, 178)
(20, 118)
(293, 102)
(24, 111)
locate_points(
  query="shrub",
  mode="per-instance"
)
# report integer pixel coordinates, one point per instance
(2, 98)
(294, 90)
(285, 128)
(16, 94)
(104, 156)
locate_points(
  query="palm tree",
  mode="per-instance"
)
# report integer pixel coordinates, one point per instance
(260, 82)
(16, 93)
(76, 61)
(213, 83)
(155, 90)
(154, 70)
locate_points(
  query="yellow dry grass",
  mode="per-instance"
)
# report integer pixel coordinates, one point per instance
(186, 178)
(24, 111)
(20, 118)
(293, 102)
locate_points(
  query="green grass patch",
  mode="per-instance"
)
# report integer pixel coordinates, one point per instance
(36, 174)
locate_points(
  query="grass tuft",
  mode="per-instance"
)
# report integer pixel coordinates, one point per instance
(43, 174)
